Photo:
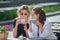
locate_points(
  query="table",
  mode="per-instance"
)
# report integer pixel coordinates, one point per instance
(10, 37)
(24, 39)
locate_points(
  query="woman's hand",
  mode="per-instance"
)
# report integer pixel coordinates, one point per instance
(38, 23)
(26, 30)
(30, 28)
(16, 26)
(18, 21)
(39, 26)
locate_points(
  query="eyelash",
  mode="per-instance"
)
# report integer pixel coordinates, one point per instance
(23, 14)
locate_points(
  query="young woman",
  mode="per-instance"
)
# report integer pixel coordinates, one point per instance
(21, 24)
(42, 26)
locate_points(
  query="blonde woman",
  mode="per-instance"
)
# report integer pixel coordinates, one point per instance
(21, 24)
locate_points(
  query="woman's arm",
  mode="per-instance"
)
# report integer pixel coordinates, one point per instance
(15, 31)
(32, 31)
(30, 34)
(41, 28)
(26, 30)
(15, 28)
(47, 30)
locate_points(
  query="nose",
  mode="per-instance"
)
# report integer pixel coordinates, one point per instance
(23, 16)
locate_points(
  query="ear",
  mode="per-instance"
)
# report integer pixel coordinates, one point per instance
(37, 16)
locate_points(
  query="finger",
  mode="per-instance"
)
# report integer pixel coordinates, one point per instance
(30, 28)
(25, 28)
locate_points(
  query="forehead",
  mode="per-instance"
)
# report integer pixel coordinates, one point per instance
(25, 11)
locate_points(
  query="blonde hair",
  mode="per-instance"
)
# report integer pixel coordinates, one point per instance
(23, 7)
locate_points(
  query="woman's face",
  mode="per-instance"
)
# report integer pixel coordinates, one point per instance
(24, 14)
(34, 15)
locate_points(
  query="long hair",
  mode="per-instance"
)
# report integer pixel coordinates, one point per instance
(42, 16)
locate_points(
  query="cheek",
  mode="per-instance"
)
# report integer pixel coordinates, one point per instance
(25, 17)
(34, 16)
(21, 16)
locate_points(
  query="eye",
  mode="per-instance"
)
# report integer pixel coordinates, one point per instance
(21, 14)
(25, 13)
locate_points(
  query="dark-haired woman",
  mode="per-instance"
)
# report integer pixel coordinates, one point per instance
(42, 26)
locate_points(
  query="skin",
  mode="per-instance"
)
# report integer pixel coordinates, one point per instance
(36, 16)
(18, 22)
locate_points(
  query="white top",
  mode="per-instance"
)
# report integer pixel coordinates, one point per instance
(47, 33)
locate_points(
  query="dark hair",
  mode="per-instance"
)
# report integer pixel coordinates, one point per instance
(42, 16)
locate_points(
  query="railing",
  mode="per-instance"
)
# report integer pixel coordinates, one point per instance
(40, 5)
(15, 3)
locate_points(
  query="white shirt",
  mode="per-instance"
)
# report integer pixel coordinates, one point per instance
(47, 33)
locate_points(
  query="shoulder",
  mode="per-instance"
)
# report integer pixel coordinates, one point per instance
(47, 23)
(17, 18)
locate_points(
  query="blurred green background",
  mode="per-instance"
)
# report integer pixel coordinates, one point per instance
(11, 14)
